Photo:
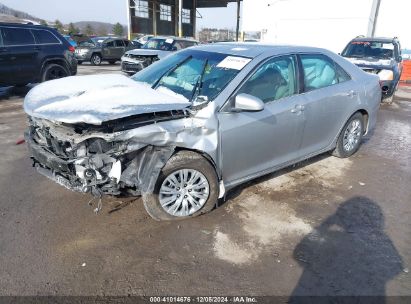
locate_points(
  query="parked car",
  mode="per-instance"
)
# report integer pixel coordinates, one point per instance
(143, 39)
(380, 56)
(190, 127)
(154, 50)
(33, 53)
(99, 49)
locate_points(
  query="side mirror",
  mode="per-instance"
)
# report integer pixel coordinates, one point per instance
(174, 48)
(246, 102)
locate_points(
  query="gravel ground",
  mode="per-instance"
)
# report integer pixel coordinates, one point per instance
(326, 226)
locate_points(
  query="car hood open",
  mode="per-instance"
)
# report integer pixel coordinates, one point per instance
(97, 98)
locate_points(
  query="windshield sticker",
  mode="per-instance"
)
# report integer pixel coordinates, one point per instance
(234, 63)
(169, 40)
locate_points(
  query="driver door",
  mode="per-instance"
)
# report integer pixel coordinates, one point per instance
(254, 142)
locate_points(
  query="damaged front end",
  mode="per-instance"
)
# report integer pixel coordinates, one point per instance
(105, 159)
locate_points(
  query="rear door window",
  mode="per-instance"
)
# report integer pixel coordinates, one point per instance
(319, 72)
(17, 36)
(119, 43)
(274, 80)
(45, 37)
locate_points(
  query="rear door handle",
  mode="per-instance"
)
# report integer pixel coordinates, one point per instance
(298, 108)
(351, 93)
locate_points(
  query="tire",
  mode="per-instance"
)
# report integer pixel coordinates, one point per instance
(112, 62)
(388, 100)
(347, 145)
(54, 71)
(190, 162)
(79, 62)
(95, 59)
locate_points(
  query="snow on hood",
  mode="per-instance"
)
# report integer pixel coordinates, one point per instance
(97, 98)
(371, 61)
(148, 52)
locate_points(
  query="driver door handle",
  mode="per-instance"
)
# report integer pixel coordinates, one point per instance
(298, 108)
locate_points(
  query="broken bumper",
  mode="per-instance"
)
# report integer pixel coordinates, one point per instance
(133, 171)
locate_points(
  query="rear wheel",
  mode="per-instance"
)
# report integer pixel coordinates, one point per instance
(54, 71)
(112, 62)
(350, 138)
(79, 62)
(96, 59)
(187, 187)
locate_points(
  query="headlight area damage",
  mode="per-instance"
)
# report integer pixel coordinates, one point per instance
(113, 137)
(102, 163)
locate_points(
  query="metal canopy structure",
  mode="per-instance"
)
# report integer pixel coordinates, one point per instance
(213, 3)
(169, 17)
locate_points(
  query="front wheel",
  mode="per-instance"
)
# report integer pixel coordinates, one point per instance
(95, 59)
(186, 187)
(350, 138)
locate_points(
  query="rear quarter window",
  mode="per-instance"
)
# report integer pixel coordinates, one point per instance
(17, 36)
(45, 37)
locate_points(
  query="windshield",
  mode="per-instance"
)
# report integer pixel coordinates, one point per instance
(362, 49)
(159, 44)
(190, 74)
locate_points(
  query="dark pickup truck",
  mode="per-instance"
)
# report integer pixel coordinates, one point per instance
(380, 56)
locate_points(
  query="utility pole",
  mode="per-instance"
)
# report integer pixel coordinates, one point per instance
(238, 20)
(372, 25)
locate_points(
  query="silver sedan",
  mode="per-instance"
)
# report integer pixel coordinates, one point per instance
(190, 127)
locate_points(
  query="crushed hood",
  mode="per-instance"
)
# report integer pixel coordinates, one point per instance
(372, 62)
(97, 98)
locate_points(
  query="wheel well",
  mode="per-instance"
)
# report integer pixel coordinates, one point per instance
(203, 154)
(54, 61)
(365, 116)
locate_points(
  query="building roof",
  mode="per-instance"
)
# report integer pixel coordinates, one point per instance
(213, 3)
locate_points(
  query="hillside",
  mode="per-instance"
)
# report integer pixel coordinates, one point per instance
(99, 27)
(8, 14)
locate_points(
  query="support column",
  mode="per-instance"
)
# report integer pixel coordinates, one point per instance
(238, 20)
(129, 25)
(194, 18)
(372, 23)
(154, 18)
(180, 18)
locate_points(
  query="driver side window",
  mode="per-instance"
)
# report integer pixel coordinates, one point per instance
(274, 80)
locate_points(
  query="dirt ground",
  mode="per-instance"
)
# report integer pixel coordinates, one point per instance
(327, 226)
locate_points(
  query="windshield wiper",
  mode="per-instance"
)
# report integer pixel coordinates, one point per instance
(170, 70)
(199, 84)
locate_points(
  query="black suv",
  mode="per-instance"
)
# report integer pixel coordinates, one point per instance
(381, 56)
(33, 53)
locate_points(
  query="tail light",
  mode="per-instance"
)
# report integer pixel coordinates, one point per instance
(71, 48)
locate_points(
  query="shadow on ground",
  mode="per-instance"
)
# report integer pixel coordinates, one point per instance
(348, 254)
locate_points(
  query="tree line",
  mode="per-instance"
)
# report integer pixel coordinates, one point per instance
(89, 30)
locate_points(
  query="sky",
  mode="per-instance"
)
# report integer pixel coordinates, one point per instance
(111, 11)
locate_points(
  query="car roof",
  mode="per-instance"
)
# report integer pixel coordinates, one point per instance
(26, 25)
(252, 49)
(174, 38)
(376, 39)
